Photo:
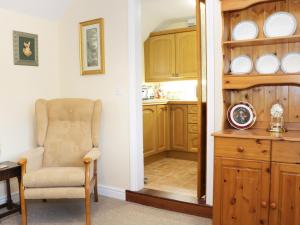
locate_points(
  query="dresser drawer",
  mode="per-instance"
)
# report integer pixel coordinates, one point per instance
(242, 148)
(193, 118)
(286, 151)
(192, 108)
(193, 128)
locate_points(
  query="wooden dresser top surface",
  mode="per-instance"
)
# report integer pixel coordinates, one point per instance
(259, 134)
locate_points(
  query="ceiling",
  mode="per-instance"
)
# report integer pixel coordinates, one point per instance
(49, 9)
(156, 12)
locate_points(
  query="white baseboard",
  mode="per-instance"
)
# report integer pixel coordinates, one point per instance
(111, 192)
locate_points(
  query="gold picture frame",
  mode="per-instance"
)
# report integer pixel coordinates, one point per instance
(92, 54)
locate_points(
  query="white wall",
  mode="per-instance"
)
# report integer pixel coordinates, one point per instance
(20, 86)
(214, 86)
(112, 88)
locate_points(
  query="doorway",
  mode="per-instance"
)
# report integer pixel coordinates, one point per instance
(174, 97)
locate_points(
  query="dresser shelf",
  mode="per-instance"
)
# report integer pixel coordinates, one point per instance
(262, 41)
(247, 81)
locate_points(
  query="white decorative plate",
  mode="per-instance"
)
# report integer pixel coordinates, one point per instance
(241, 115)
(290, 63)
(267, 64)
(245, 30)
(280, 24)
(241, 65)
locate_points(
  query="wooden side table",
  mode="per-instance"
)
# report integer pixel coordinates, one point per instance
(13, 170)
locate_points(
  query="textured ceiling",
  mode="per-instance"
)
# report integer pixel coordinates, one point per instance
(49, 9)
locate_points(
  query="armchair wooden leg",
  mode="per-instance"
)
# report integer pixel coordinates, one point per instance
(22, 198)
(87, 163)
(96, 182)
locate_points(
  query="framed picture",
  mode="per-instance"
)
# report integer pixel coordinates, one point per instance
(92, 59)
(25, 49)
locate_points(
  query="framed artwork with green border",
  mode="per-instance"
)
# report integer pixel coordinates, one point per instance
(25, 49)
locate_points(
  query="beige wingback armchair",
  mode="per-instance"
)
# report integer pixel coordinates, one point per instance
(68, 141)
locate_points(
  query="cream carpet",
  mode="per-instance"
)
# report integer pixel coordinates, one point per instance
(106, 212)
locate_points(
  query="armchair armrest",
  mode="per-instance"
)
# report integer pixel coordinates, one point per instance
(92, 155)
(32, 159)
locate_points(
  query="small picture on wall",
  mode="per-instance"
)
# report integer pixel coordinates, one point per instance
(25, 49)
(92, 47)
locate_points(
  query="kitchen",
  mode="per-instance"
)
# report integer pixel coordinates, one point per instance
(173, 107)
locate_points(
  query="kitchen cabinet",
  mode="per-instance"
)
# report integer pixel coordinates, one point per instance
(179, 126)
(171, 56)
(186, 55)
(149, 130)
(163, 120)
(160, 58)
(166, 128)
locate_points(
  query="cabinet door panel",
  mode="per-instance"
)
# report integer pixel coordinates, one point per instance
(162, 127)
(193, 142)
(186, 54)
(285, 194)
(179, 127)
(149, 130)
(241, 192)
(161, 62)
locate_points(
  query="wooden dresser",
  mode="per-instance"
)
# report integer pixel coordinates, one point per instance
(257, 173)
(257, 178)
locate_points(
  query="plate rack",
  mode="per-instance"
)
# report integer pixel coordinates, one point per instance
(262, 91)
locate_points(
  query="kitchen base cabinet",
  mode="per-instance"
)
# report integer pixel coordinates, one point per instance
(149, 130)
(163, 120)
(179, 127)
(166, 128)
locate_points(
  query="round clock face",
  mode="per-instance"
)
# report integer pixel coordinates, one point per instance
(277, 110)
(241, 116)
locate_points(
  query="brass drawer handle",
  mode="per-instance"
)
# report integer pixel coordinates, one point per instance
(273, 205)
(240, 149)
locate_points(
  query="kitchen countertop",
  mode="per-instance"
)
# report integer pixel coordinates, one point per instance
(170, 102)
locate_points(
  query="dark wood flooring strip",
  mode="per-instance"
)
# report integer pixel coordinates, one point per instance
(169, 204)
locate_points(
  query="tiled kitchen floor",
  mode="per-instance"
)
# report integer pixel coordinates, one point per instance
(172, 175)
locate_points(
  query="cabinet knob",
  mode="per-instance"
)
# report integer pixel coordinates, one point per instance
(264, 204)
(240, 149)
(273, 205)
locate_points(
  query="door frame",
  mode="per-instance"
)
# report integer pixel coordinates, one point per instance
(135, 95)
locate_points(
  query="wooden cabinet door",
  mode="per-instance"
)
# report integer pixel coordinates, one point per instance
(161, 62)
(193, 142)
(285, 194)
(179, 127)
(186, 55)
(149, 130)
(162, 127)
(241, 192)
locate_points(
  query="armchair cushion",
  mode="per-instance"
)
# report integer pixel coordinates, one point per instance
(34, 159)
(55, 177)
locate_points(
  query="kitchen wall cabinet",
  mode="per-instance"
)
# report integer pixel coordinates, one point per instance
(171, 56)
(149, 130)
(160, 58)
(179, 124)
(186, 55)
